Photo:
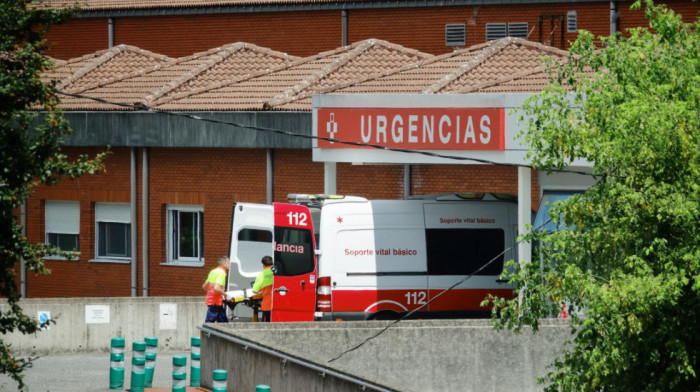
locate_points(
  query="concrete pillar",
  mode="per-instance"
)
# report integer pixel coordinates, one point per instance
(524, 211)
(329, 178)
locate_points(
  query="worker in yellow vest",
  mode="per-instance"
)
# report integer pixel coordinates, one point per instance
(215, 286)
(263, 285)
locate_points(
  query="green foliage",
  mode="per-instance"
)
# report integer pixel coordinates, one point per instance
(30, 154)
(630, 266)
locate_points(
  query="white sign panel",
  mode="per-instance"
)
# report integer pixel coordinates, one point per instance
(96, 314)
(168, 316)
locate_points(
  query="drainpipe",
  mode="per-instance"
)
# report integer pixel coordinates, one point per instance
(144, 220)
(269, 176)
(110, 32)
(614, 17)
(134, 245)
(406, 181)
(23, 266)
(344, 27)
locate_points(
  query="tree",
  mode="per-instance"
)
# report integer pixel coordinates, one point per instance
(628, 264)
(31, 132)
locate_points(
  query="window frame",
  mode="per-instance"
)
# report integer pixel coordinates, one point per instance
(112, 213)
(172, 237)
(66, 215)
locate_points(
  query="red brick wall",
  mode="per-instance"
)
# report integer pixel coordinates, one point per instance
(78, 278)
(77, 37)
(370, 181)
(424, 28)
(298, 33)
(308, 33)
(629, 18)
(295, 172)
(214, 179)
(427, 179)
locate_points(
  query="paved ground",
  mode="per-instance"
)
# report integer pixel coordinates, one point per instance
(89, 372)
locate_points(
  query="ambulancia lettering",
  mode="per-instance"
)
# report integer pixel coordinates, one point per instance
(288, 248)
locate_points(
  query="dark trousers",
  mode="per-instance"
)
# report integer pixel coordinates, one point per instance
(216, 314)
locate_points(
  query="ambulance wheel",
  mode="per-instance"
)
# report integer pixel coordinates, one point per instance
(385, 315)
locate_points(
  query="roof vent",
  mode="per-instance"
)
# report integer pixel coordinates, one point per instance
(502, 30)
(571, 25)
(455, 35)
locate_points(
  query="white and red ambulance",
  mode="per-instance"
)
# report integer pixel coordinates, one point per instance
(349, 258)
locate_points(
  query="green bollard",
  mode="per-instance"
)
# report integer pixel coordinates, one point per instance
(262, 388)
(195, 344)
(116, 364)
(179, 382)
(151, 344)
(150, 368)
(116, 371)
(179, 373)
(195, 371)
(138, 374)
(151, 347)
(139, 349)
(219, 381)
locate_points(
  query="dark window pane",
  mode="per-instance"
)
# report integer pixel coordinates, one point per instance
(463, 251)
(294, 253)
(254, 235)
(67, 242)
(188, 234)
(114, 239)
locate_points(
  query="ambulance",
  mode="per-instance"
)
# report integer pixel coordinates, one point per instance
(350, 258)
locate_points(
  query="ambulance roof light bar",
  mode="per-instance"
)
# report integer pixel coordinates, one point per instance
(300, 198)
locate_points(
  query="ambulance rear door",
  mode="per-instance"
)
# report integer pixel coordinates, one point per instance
(251, 239)
(294, 284)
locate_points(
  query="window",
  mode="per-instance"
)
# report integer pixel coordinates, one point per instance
(463, 251)
(113, 236)
(542, 221)
(294, 253)
(571, 25)
(185, 234)
(62, 224)
(455, 35)
(502, 30)
(253, 244)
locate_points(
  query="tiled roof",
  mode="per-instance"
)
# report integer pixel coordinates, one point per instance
(246, 77)
(305, 76)
(142, 85)
(458, 72)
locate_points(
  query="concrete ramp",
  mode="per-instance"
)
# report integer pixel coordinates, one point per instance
(418, 355)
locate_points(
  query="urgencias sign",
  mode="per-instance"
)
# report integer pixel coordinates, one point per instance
(413, 128)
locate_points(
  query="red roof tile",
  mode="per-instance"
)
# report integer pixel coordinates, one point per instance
(143, 85)
(246, 77)
(305, 76)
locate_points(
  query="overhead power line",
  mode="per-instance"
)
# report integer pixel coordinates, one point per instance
(292, 134)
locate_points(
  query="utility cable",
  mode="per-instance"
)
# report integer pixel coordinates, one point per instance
(381, 331)
(359, 144)
(292, 134)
